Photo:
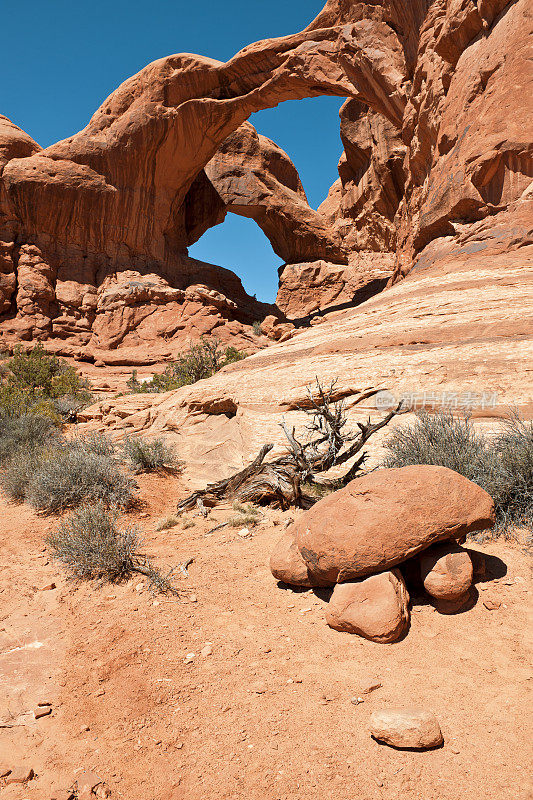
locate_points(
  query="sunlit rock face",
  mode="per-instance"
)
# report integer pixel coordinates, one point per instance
(437, 163)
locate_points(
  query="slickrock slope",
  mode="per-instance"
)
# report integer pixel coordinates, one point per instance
(460, 330)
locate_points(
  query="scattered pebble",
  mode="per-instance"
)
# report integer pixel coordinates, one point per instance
(370, 686)
(139, 587)
(207, 649)
(491, 605)
(48, 587)
(4, 771)
(305, 610)
(356, 700)
(42, 711)
(188, 658)
(193, 598)
(244, 533)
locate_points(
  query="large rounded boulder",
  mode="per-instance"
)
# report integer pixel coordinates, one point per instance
(383, 518)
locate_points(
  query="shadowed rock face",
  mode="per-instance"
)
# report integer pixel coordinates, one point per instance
(434, 132)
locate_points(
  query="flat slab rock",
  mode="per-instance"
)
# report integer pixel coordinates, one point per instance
(383, 518)
(411, 728)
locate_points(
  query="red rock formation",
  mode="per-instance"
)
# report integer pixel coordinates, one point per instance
(441, 155)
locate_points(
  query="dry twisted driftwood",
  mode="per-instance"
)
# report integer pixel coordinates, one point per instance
(279, 481)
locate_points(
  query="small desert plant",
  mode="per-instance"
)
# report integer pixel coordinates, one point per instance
(18, 474)
(200, 361)
(90, 546)
(167, 523)
(248, 515)
(147, 456)
(510, 473)
(256, 327)
(96, 442)
(503, 465)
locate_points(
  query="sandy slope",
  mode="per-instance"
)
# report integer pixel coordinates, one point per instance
(268, 714)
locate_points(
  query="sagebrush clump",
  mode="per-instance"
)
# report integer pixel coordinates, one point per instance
(51, 473)
(502, 465)
(200, 361)
(91, 547)
(149, 456)
(71, 475)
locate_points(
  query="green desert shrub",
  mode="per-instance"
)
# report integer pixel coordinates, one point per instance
(148, 456)
(200, 361)
(39, 382)
(502, 465)
(90, 546)
(248, 514)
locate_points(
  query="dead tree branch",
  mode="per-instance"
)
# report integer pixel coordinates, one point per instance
(328, 443)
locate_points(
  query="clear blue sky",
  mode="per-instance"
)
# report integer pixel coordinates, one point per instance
(60, 59)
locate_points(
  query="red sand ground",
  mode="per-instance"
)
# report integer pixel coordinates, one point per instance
(268, 714)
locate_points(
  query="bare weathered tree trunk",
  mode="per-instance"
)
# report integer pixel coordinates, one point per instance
(279, 481)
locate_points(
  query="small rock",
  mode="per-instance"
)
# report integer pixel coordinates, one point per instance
(376, 607)
(370, 686)
(188, 658)
(4, 771)
(48, 587)
(258, 688)
(84, 729)
(357, 700)
(492, 605)
(139, 587)
(88, 780)
(62, 794)
(207, 649)
(244, 533)
(20, 775)
(446, 570)
(406, 728)
(44, 711)
(99, 363)
(193, 598)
